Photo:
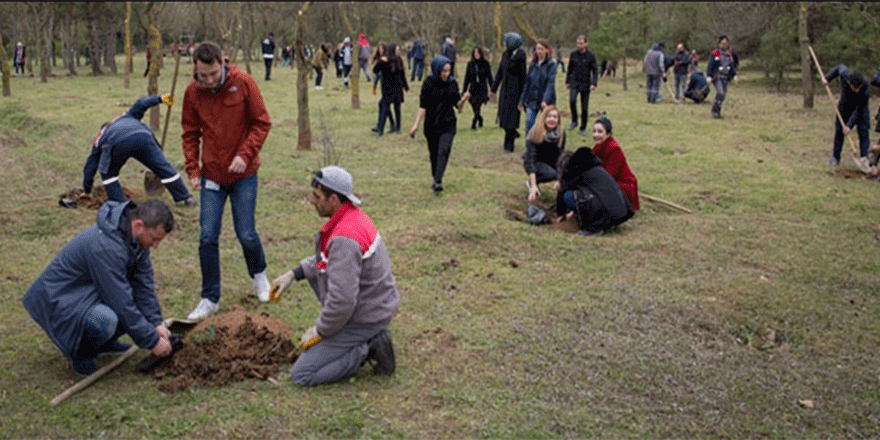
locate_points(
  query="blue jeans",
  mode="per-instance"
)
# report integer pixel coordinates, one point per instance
(242, 196)
(417, 68)
(143, 148)
(101, 325)
(680, 84)
(531, 115)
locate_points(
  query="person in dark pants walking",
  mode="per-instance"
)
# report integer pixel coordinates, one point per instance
(128, 137)
(853, 108)
(512, 73)
(581, 80)
(269, 54)
(477, 77)
(720, 71)
(390, 68)
(438, 101)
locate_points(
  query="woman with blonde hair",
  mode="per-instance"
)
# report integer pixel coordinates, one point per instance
(544, 143)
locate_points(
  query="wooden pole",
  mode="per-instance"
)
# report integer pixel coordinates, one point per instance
(665, 203)
(173, 86)
(94, 376)
(852, 144)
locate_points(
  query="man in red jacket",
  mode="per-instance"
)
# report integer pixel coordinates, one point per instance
(223, 111)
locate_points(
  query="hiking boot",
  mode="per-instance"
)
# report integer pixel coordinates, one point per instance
(83, 367)
(190, 201)
(205, 309)
(382, 353)
(437, 187)
(583, 132)
(833, 162)
(572, 126)
(113, 348)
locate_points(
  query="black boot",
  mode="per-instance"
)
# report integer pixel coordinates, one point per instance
(474, 123)
(480, 121)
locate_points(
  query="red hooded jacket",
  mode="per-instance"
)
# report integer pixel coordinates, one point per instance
(231, 122)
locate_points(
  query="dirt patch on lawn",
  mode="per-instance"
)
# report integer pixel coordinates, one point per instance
(76, 198)
(227, 348)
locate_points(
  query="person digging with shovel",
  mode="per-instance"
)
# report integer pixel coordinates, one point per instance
(351, 276)
(128, 137)
(100, 286)
(853, 109)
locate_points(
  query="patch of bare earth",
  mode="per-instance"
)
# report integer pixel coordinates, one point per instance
(226, 348)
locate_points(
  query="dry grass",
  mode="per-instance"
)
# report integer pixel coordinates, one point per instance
(713, 324)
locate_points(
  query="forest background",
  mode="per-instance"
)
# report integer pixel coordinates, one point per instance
(64, 34)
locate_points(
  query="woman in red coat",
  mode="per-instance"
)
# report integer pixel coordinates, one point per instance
(608, 150)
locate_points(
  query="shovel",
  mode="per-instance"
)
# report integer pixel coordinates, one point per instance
(170, 323)
(152, 184)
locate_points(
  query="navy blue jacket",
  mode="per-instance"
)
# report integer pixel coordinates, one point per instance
(849, 99)
(716, 63)
(117, 132)
(540, 85)
(103, 264)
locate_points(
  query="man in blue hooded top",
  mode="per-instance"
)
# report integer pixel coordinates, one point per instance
(100, 286)
(128, 137)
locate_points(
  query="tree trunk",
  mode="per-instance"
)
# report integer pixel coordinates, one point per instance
(806, 67)
(128, 61)
(499, 44)
(70, 44)
(155, 42)
(522, 24)
(302, 83)
(354, 77)
(4, 65)
(110, 46)
(623, 71)
(94, 46)
(46, 23)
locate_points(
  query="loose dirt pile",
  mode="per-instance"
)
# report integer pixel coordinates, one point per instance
(227, 348)
(76, 198)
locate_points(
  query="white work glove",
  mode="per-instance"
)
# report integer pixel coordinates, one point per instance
(310, 338)
(279, 285)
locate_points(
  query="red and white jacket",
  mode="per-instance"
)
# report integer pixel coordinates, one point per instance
(351, 273)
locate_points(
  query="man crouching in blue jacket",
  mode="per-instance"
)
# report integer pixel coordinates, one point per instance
(100, 286)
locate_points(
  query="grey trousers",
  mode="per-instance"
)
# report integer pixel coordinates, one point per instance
(336, 357)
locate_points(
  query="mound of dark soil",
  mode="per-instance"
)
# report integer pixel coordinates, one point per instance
(76, 198)
(227, 348)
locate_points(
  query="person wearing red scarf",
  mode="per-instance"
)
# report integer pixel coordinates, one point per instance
(608, 150)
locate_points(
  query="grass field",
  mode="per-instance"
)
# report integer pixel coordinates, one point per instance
(721, 323)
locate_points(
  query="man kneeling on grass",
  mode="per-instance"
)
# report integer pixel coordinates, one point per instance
(100, 286)
(351, 276)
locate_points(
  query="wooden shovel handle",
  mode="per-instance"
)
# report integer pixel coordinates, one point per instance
(94, 376)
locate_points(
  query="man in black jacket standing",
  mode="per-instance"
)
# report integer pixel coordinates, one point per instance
(581, 79)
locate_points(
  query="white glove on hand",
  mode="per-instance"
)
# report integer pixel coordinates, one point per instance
(280, 285)
(310, 338)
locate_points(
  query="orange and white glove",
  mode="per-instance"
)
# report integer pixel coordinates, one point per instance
(168, 99)
(279, 285)
(310, 338)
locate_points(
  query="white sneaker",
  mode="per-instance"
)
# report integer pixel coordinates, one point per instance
(261, 285)
(205, 309)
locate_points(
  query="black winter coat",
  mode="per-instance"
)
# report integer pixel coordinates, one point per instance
(393, 81)
(439, 98)
(478, 77)
(582, 71)
(512, 72)
(601, 203)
